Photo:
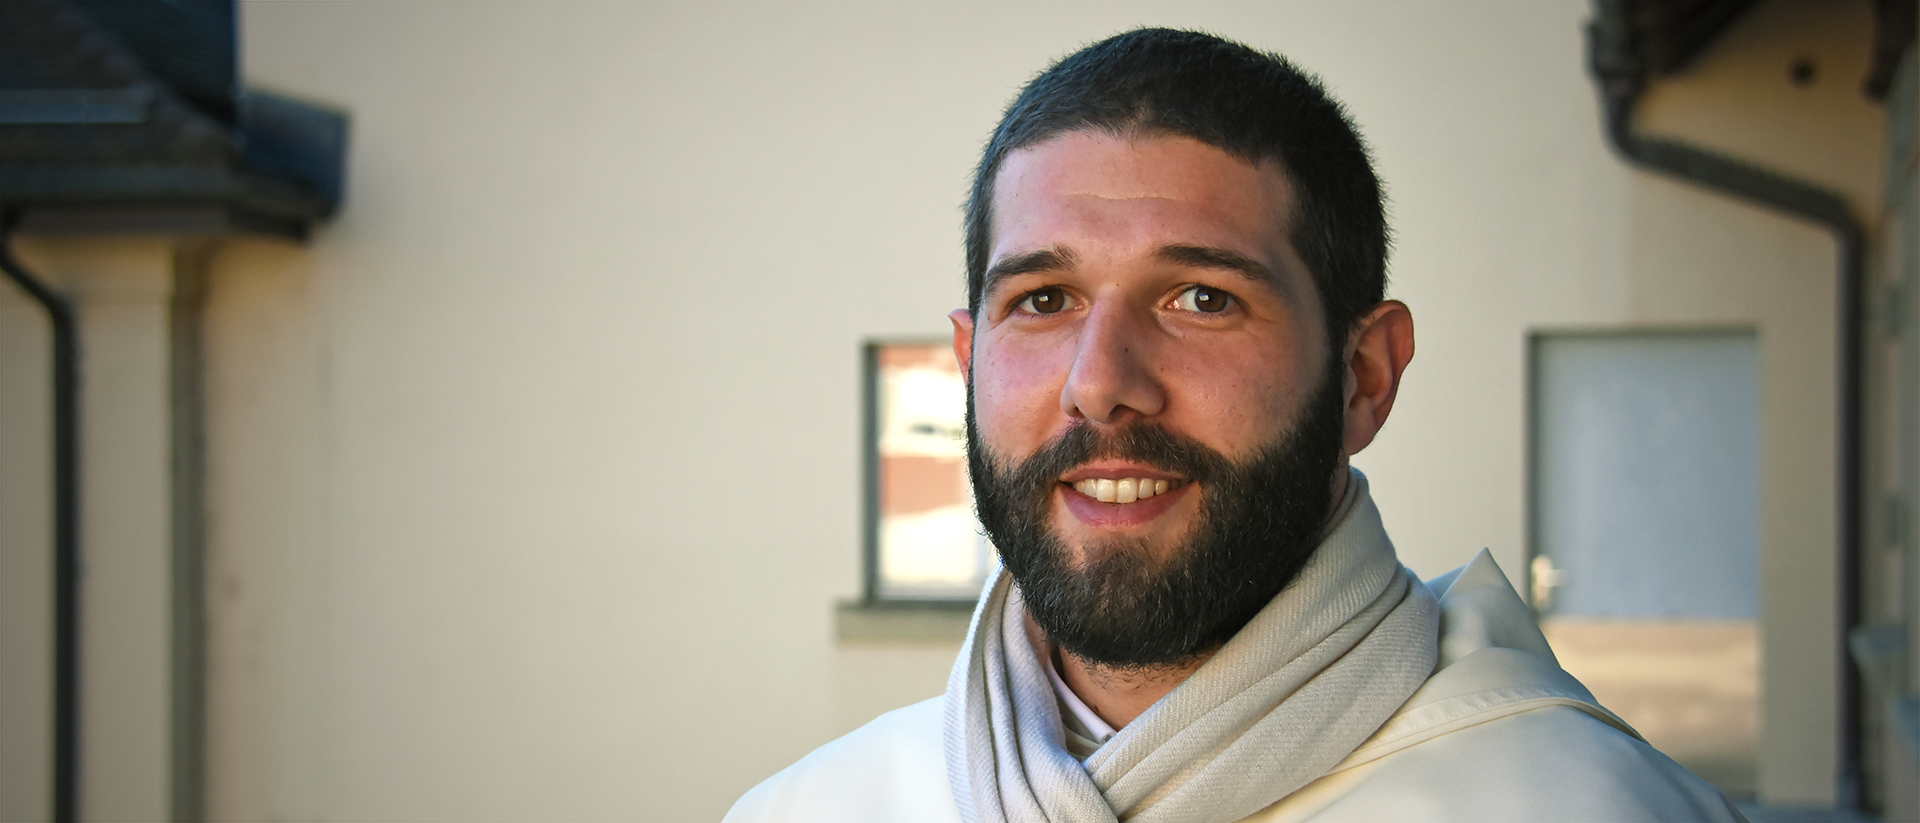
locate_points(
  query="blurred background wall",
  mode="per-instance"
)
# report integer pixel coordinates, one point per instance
(533, 478)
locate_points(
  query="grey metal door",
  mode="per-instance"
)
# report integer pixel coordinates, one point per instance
(1645, 478)
(1645, 487)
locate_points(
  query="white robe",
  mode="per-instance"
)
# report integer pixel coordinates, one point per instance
(1498, 732)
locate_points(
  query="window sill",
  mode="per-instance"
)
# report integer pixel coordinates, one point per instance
(898, 622)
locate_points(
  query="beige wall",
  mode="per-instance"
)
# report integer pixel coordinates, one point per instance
(535, 476)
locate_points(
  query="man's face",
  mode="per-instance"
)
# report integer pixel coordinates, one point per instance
(1149, 340)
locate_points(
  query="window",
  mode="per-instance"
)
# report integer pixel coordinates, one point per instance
(923, 542)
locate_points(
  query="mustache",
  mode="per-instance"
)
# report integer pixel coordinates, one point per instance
(1144, 442)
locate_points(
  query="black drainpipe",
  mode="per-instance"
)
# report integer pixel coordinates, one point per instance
(1621, 72)
(66, 529)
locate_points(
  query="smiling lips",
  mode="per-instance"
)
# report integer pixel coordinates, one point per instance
(1125, 490)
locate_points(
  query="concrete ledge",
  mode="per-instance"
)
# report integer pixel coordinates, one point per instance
(909, 622)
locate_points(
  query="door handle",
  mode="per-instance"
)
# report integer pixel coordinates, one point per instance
(1546, 578)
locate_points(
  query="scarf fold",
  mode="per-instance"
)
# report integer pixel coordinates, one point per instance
(1315, 673)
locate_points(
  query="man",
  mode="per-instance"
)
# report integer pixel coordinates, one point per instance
(1176, 336)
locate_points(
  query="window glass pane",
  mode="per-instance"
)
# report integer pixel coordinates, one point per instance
(929, 546)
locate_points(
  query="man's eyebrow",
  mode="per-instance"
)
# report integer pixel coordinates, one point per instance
(1211, 257)
(1057, 258)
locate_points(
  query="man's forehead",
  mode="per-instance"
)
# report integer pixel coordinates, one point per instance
(1127, 166)
(1163, 193)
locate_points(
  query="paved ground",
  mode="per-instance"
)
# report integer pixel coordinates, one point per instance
(1690, 688)
(1801, 814)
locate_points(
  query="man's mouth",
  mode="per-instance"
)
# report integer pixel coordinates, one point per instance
(1123, 490)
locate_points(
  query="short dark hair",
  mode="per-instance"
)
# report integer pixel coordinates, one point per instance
(1251, 104)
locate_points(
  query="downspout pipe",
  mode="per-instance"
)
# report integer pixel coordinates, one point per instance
(1621, 73)
(66, 527)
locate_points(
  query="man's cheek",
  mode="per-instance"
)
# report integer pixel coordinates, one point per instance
(1020, 395)
(1250, 392)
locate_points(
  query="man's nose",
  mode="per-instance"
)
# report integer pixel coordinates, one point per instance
(1112, 374)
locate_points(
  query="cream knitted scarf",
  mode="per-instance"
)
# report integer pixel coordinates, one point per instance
(1302, 685)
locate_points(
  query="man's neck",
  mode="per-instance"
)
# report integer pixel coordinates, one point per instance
(1119, 695)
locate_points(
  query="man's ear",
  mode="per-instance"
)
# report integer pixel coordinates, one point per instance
(963, 342)
(1378, 350)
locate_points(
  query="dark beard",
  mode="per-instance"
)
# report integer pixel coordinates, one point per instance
(1257, 525)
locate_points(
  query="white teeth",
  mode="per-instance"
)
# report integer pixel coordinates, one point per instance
(1125, 490)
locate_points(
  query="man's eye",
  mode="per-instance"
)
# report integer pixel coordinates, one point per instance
(1044, 301)
(1203, 299)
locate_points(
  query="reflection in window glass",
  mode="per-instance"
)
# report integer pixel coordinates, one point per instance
(928, 544)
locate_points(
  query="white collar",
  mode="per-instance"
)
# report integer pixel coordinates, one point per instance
(1077, 713)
